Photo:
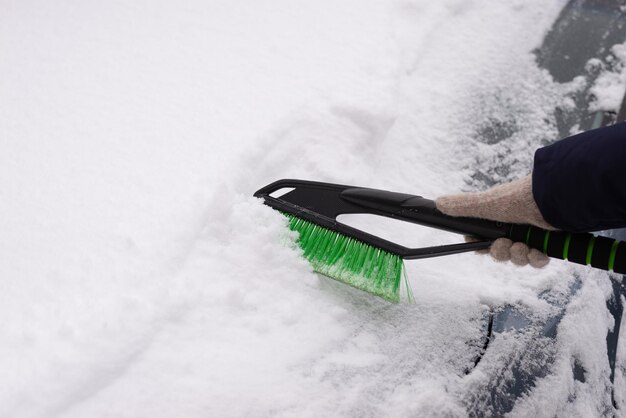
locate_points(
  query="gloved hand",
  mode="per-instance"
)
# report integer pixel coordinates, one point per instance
(511, 203)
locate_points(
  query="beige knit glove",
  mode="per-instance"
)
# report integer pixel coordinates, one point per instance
(511, 203)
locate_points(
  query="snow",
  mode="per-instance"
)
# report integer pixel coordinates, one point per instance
(608, 89)
(141, 279)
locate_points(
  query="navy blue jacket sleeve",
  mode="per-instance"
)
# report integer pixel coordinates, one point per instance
(579, 183)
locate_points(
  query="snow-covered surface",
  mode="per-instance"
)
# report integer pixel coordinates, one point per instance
(139, 278)
(608, 90)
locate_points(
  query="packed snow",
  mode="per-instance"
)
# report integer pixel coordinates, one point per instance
(608, 88)
(141, 279)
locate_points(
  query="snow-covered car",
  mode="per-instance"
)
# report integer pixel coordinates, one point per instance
(139, 277)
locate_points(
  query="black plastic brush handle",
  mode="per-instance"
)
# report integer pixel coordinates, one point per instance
(321, 203)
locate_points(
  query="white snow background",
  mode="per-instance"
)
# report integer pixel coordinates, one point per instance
(139, 278)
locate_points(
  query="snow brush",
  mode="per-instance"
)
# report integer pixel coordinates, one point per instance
(376, 265)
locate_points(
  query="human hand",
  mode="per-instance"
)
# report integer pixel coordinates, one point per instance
(511, 203)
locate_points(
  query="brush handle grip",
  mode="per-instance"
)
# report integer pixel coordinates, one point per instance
(581, 248)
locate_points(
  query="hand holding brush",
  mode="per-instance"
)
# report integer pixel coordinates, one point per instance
(511, 203)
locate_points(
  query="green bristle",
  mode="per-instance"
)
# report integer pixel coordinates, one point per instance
(351, 261)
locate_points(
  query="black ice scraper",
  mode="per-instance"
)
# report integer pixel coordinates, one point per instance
(375, 265)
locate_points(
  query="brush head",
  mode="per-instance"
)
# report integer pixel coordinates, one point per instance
(351, 261)
(353, 256)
